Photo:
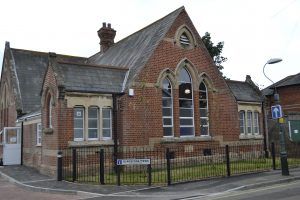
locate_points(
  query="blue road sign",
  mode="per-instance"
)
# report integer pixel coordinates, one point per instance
(276, 112)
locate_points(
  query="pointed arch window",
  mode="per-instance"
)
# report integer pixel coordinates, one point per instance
(184, 40)
(50, 102)
(186, 104)
(167, 107)
(203, 106)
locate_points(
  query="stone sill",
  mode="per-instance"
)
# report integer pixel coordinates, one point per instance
(186, 139)
(90, 143)
(249, 137)
(48, 130)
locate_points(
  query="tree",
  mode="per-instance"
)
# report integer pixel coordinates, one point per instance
(214, 51)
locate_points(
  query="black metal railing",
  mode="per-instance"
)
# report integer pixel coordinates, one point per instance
(101, 165)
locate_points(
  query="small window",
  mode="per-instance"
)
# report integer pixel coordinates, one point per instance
(184, 40)
(167, 108)
(249, 122)
(93, 120)
(78, 124)
(106, 123)
(203, 106)
(50, 113)
(256, 123)
(242, 122)
(39, 134)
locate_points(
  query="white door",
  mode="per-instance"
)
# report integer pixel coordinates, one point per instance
(12, 146)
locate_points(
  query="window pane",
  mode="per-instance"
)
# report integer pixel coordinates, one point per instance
(203, 112)
(168, 131)
(167, 112)
(93, 123)
(185, 91)
(185, 103)
(93, 112)
(92, 133)
(186, 112)
(167, 121)
(185, 131)
(184, 76)
(186, 121)
(106, 123)
(167, 102)
(204, 121)
(204, 130)
(78, 133)
(106, 113)
(203, 104)
(106, 133)
(78, 123)
(78, 113)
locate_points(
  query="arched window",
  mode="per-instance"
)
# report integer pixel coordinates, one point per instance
(93, 121)
(186, 104)
(203, 106)
(79, 124)
(242, 122)
(167, 107)
(184, 40)
(249, 122)
(256, 123)
(49, 112)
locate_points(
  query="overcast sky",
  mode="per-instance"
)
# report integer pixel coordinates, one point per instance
(253, 31)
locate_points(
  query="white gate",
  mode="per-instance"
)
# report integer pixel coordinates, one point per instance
(11, 146)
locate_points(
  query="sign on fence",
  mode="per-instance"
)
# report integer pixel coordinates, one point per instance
(133, 161)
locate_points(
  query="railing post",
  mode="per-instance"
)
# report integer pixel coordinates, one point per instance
(118, 174)
(273, 155)
(227, 160)
(149, 169)
(168, 166)
(59, 165)
(102, 167)
(74, 164)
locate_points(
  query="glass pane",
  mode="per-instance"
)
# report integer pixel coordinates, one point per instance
(185, 90)
(106, 133)
(78, 113)
(106, 123)
(204, 121)
(167, 121)
(78, 123)
(186, 121)
(184, 131)
(185, 103)
(93, 112)
(242, 129)
(168, 131)
(249, 129)
(106, 112)
(167, 88)
(204, 130)
(203, 112)
(78, 133)
(167, 102)
(92, 133)
(186, 112)
(167, 112)
(93, 123)
(203, 104)
(202, 87)
(202, 95)
(184, 76)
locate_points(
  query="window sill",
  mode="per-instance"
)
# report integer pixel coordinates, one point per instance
(186, 139)
(38, 145)
(248, 137)
(90, 143)
(48, 130)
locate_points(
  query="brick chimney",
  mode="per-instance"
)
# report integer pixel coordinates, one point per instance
(106, 35)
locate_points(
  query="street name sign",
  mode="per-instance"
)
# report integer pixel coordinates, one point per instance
(276, 112)
(133, 161)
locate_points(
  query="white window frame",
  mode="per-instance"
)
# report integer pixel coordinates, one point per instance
(39, 134)
(171, 107)
(243, 120)
(256, 123)
(249, 122)
(83, 121)
(192, 106)
(97, 119)
(206, 108)
(110, 123)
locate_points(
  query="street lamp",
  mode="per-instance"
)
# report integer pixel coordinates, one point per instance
(283, 154)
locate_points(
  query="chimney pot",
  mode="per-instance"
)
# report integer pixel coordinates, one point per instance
(109, 25)
(104, 25)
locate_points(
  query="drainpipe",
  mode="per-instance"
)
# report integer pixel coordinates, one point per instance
(22, 142)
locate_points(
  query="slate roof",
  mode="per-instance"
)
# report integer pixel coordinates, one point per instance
(135, 50)
(89, 78)
(243, 91)
(287, 81)
(30, 68)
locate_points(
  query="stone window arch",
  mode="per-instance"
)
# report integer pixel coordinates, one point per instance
(184, 38)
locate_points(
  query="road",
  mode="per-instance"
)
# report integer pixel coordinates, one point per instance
(9, 191)
(285, 191)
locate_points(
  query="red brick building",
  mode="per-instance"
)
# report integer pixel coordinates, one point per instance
(156, 87)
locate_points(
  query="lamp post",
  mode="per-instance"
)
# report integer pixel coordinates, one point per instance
(283, 154)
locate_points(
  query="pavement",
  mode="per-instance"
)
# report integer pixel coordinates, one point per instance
(31, 179)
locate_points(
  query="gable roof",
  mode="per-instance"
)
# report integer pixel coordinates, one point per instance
(287, 81)
(135, 50)
(90, 78)
(243, 91)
